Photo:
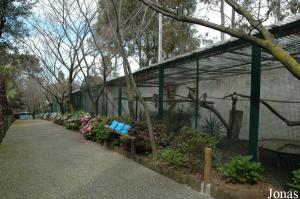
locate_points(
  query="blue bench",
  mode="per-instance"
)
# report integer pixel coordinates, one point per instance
(122, 129)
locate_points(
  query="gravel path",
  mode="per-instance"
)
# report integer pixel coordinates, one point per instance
(40, 160)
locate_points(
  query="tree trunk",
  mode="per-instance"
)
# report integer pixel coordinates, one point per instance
(267, 43)
(69, 101)
(232, 18)
(222, 19)
(95, 107)
(61, 107)
(130, 81)
(128, 92)
(232, 117)
(146, 109)
(283, 56)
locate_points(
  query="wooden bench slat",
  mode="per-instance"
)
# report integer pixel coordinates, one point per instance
(125, 135)
(132, 138)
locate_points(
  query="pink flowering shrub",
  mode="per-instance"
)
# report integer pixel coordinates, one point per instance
(85, 120)
(87, 125)
(140, 131)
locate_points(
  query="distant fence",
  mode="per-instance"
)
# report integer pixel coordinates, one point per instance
(4, 126)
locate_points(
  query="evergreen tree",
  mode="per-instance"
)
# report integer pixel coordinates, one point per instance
(141, 35)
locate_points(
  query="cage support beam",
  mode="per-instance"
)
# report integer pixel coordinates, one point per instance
(161, 93)
(254, 102)
(120, 100)
(197, 95)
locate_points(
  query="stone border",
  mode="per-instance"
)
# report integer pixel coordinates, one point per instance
(165, 170)
(192, 181)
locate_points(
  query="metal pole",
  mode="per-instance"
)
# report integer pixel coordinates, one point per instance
(160, 27)
(161, 93)
(160, 31)
(120, 100)
(197, 96)
(254, 101)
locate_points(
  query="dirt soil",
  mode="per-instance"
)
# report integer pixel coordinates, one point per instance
(276, 176)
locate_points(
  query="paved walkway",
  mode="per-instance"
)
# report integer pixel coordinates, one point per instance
(40, 160)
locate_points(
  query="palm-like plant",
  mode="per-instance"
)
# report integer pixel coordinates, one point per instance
(212, 126)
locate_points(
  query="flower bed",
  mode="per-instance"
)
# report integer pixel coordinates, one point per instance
(181, 153)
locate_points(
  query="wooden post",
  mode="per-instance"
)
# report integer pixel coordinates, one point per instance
(207, 165)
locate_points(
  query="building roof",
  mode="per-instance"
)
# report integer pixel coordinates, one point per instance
(228, 58)
(92, 81)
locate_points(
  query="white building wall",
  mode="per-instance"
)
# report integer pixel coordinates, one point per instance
(276, 84)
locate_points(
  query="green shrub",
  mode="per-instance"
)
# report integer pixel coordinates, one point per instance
(174, 157)
(176, 119)
(241, 169)
(294, 185)
(102, 134)
(187, 149)
(71, 120)
(193, 138)
(58, 120)
(73, 124)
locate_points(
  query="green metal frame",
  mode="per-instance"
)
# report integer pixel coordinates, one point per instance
(278, 31)
(120, 100)
(254, 102)
(197, 96)
(161, 93)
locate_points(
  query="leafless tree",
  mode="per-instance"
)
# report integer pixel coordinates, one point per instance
(32, 95)
(92, 51)
(116, 21)
(64, 32)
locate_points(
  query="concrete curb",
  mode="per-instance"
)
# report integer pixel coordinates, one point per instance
(213, 190)
(164, 169)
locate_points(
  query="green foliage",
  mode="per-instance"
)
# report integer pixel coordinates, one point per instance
(184, 39)
(294, 185)
(241, 169)
(73, 124)
(70, 120)
(102, 134)
(58, 120)
(175, 120)
(12, 15)
(174, 156)
(212, 126)
(190, 138)
(187, 149)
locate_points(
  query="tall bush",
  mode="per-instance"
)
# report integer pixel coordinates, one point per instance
(187, 149)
